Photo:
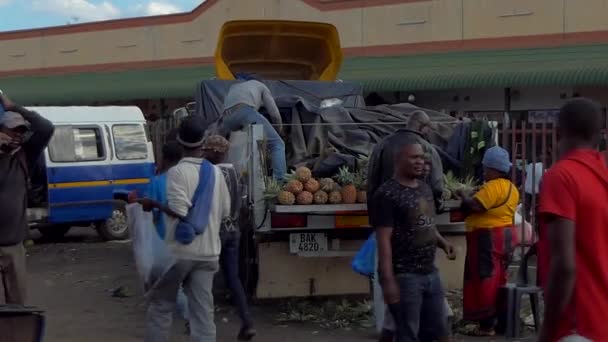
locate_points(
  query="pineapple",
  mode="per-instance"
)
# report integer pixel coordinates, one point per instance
(286, 198)
(294, 186)
(312, 186)
(361, 196)
(347, 180)
(327, 184)
(335, 197)
(304, 197)
(273, 188)
(360, 186)
(447, 195)
(303, 174)
(320, 197)
(454, 185)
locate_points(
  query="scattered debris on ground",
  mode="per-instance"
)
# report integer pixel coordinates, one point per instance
(328, 314)
(462, 327)
(121, 292)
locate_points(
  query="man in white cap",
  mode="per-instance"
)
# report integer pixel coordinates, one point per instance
(23, 136)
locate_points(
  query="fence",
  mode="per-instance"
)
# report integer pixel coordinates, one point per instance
(532, 143)
(160, 131)
(527, 142)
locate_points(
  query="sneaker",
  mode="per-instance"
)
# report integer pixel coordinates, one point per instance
(246, 334)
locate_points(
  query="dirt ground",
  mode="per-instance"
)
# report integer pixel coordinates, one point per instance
(74, 281)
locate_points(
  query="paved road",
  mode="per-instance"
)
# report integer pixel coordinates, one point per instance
(73, 282)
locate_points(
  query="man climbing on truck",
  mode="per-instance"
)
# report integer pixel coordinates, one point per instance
(241, 109)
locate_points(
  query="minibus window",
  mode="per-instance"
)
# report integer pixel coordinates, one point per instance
(72, 144)
(130, 142)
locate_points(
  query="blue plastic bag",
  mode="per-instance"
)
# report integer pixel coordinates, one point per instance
(364, 262)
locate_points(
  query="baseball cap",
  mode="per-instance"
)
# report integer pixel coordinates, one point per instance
(12, 120)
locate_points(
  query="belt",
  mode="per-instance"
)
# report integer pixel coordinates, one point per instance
(234, 108)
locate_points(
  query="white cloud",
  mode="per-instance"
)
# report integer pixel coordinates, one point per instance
(5, 2)
(157, 8)
(79, 10)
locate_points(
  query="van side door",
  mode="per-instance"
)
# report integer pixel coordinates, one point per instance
(79, 174)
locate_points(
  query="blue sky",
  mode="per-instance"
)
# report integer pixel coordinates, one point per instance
(25, 14)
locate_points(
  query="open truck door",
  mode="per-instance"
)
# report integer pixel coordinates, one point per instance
(278, 50)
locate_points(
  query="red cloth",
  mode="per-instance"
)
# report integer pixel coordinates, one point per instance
(485, 271)
(576, 188)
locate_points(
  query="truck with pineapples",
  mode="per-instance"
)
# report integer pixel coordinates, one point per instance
(299, 235)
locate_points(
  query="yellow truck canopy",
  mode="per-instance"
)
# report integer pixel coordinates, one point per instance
(276, 49)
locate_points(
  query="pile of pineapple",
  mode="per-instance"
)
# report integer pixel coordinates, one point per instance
(301, 188)
(453, 185)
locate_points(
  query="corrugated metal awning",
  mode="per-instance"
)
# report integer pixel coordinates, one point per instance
(85, 88)
(562, 66)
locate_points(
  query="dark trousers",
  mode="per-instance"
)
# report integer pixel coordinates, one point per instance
(229, 261)
(420, 314)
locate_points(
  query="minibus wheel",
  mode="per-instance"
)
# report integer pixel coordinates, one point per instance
(116, 227)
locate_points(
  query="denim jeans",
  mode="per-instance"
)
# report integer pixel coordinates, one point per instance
(245, 116)
(197, 280)
(420, 314)
(229, 260)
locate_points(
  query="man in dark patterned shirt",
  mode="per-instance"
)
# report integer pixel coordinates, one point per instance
(407, 240)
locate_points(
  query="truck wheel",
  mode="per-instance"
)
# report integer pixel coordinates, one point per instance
(55, 232)
(116, 227)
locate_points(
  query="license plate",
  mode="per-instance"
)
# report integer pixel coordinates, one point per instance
(353, 221)
(307, 243)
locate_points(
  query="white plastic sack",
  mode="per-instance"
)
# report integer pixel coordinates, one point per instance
(152, 255)
(527, 233)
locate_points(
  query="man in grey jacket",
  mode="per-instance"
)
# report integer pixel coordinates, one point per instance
(241, 109)
(381, 160)
(23, 136)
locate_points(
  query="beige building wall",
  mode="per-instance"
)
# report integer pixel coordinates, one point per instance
(193, 37)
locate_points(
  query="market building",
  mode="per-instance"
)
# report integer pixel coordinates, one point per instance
(453, 55)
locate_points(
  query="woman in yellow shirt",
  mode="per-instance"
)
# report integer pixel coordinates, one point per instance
(490, 240)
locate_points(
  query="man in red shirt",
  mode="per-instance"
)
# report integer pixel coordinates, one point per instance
(573, 253)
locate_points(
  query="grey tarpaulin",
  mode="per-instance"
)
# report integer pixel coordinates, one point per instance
(210, 95)
(326, 138)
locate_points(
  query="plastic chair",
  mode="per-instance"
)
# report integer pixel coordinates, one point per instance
(516, 291)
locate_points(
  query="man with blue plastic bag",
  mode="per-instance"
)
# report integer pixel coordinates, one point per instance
(198, 201)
